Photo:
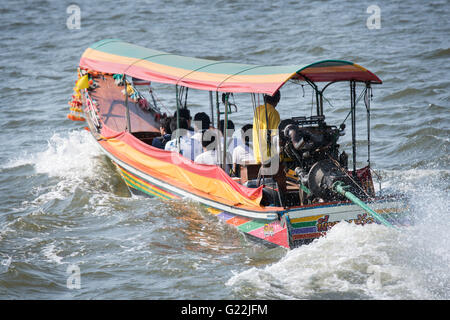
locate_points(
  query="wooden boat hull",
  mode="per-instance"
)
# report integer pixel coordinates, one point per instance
(289, 229)
(274, 226)
(269, 228)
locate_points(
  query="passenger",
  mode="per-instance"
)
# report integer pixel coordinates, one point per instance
(166, 133)
(201, 124)
(244, 153)
(262, 122)
(230, 127)
(232, 142)
(211, 155)
(189, 147)
(185, 113)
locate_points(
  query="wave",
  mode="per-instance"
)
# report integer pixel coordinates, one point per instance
(63, 156)
(402, 93)
(51, 253)
(70, 173)
(68, 157)
(437, 53)
(350, 261)
(368, 262)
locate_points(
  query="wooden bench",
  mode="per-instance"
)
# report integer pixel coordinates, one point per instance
(248, 171)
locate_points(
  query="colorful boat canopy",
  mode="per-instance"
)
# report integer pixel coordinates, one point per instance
(116, 56)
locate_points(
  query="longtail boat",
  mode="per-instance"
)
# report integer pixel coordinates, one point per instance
(312, 187)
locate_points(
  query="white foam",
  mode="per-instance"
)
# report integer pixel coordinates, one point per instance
(415, 180)
(68, 156)
(51, 253)
(5, 262)
(72, 158)
(19, 162)
(370, 261)
(350, 260)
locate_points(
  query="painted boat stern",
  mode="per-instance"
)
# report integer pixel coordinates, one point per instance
(312, 222)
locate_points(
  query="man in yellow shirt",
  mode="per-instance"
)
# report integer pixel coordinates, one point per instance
(266, 118)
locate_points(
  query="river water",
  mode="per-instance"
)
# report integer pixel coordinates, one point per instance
(69, 228)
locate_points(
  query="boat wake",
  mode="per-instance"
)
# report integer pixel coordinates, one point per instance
(65, 156)
(351, 262)
(69, 173)
(368, 262)
(70, 157)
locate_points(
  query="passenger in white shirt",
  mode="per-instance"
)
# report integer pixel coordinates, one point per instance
(208, 157)
(243, 153)
(189, 148)
(201, 124)
(212, 152)
(233, 140)
(186, 114)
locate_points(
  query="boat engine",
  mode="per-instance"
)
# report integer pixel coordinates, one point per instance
(312, 146)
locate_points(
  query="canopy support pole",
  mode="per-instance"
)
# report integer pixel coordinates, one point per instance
(321, 103)
(217, 109)
(185, 98)
(178, 119)
(225, 134)
(218, 144)
(126, 103)
(367, 98)
(319, 96)
(256, 126)
(268, 133)
(317, 101)
(353, 112)
(211, 105)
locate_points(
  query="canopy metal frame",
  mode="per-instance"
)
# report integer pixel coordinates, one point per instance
(353, 102)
